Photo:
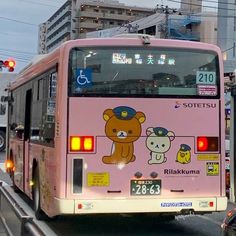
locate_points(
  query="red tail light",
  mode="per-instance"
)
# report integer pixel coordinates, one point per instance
(82, 143)
(206, 144)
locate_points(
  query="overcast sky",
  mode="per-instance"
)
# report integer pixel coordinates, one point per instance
(19, 20)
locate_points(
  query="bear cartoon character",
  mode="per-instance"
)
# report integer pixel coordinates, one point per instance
(123, 127)
(158, 142)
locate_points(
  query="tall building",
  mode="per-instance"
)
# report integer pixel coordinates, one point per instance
(227, 33)
(191, 6)
(75, 18)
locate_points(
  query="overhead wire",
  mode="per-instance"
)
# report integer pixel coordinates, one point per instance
(17, 51)
(18, 21)
(17, 54)
(38, 3)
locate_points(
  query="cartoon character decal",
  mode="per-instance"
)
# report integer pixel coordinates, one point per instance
(123, 127)
(184, 154)
(158, 142)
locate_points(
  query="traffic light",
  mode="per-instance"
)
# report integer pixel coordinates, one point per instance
(10, 64)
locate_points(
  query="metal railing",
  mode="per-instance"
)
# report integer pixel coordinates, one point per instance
(14, 218)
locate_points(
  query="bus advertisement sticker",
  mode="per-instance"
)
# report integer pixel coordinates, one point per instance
(212, 168)
(208, 157)
(98, 179)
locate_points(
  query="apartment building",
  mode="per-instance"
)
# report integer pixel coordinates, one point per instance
(75, 18)
(227, 33)
(191, 6)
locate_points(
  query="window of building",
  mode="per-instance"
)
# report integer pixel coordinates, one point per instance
(234, 23)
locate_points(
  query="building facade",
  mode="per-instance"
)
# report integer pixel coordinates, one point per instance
(191, 6)
(227, 33)
(75, 18)
(198, 27)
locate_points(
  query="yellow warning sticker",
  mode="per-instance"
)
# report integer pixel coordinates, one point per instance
(98, 179)
(208, 157)
(212, 168)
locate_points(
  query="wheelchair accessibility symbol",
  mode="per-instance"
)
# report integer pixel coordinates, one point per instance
(84, 77)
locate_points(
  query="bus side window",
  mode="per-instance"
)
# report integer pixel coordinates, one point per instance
(48, 131)
(43, 115)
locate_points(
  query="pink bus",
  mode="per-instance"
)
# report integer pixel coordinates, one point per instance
(130, 124)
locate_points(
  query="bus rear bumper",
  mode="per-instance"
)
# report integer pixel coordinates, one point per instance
(141, 205)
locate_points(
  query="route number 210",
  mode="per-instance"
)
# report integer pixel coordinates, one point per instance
(205, 77)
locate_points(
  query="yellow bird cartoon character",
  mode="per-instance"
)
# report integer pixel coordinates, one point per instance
(184, 154)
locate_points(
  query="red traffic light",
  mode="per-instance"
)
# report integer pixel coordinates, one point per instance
(10, 63)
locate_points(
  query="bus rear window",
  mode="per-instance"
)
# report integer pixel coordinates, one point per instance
(143, 72)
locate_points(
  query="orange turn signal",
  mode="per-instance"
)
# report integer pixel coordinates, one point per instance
(82, 143)
(9, 165)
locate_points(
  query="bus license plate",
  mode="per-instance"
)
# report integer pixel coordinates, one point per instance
(146, 187)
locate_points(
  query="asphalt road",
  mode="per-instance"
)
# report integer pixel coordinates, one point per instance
(191, 225)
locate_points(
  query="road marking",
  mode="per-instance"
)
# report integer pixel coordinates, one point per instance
(211, 220)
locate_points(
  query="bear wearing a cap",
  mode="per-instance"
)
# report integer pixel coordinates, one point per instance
(158, 142)
(123, 127)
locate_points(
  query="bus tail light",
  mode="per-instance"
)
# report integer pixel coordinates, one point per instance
(206, 144)
(82, 143)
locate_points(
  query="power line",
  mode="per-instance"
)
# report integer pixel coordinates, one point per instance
(18, 21)
(38, 3)
(228, 49)
(16, 57)
(17, 51)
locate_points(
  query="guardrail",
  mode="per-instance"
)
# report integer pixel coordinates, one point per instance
(15, 220)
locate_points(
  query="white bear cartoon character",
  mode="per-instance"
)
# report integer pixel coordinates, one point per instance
(158, 142)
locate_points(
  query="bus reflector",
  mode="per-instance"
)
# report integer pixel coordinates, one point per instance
(82, 143)
(207, 144)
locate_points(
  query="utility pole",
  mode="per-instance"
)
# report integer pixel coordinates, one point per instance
(167, 11)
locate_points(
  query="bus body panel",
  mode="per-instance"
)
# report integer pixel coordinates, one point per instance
(178, 178)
